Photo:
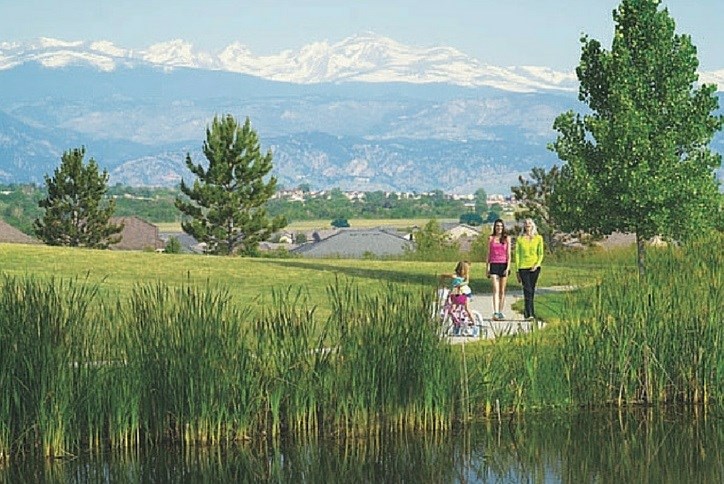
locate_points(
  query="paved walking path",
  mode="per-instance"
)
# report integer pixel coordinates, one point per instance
(483, 303)
(513, 323)
(490, 329)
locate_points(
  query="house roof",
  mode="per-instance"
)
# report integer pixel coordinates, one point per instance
(448, 226)
(11, 235)
(356, 243)
(137, 234)
(188, 243)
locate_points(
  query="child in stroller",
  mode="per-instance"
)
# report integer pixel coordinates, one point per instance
(456, 315)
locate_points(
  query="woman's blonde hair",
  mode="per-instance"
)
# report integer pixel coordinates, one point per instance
(533, 226)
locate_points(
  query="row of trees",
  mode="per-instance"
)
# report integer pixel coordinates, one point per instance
(19, 206)
(225, 207)
(376, 205)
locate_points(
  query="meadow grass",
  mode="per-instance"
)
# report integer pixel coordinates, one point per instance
(249, 281)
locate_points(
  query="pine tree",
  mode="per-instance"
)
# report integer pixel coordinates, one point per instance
(77, 213)
(534, 196)
(640, 161)
(225, 207)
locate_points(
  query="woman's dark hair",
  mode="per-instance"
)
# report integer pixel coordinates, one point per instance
(503, 233)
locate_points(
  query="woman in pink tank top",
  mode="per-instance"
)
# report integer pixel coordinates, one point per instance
(498, 266)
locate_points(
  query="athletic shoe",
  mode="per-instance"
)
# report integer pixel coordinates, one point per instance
(501, 316)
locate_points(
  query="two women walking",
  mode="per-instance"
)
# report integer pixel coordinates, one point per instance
(528, 259)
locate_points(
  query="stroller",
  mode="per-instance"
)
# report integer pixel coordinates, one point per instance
(455, 321)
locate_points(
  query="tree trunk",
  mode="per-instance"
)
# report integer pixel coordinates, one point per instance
(641, 254)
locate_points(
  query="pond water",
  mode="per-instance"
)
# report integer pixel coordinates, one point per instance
(643, 445)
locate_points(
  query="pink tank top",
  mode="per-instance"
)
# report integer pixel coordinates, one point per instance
(497, 252)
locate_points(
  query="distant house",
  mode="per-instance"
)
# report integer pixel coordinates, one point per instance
(137, 234)
(456, 230)
(188, 243)
(356, 243)
(11, 235)
(618, 239)
(319, 235)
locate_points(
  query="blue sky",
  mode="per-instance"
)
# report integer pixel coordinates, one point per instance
(499, 32)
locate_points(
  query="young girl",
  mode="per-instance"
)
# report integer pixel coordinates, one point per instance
(460, 291)
(498, 266)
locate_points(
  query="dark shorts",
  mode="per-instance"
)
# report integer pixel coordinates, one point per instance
(500, 270)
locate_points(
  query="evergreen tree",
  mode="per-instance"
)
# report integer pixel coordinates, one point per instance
(534, 196)
(77, 212)
(640, 161)
(225, 207)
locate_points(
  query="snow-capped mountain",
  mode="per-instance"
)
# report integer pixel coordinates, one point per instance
(363, 58)
(364, 113)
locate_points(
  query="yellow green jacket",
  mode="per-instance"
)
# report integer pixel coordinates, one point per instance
(528, 252)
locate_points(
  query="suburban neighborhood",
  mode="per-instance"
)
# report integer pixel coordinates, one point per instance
(352, 242)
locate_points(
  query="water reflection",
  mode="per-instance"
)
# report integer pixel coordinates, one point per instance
(638, 446)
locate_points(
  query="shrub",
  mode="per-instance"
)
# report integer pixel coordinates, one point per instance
(470, 218)
(340, 223)
(173, 246)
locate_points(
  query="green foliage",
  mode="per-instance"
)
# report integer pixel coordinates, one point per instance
(340, 223)
(640, 161)
(534, 195)
(653, 338)
(492, 217)
(173, 246)
(278, 253)
(77, 212)
(479, 249)
(225, 207)
(471, 218)
(374, 205)
(185, 365)
(431, 243)
(481, 200)
(19, 205)
(154, 204)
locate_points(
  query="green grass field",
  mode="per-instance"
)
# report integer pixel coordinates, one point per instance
(117, 272)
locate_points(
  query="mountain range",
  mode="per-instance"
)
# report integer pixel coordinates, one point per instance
(365, 113)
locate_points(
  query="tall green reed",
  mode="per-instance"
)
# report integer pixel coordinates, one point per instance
(45, 347)
(393, 369)
(187, 348)
(295, 363)
(651, 339)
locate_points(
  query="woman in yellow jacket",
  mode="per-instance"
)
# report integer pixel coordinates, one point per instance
(528, 258)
